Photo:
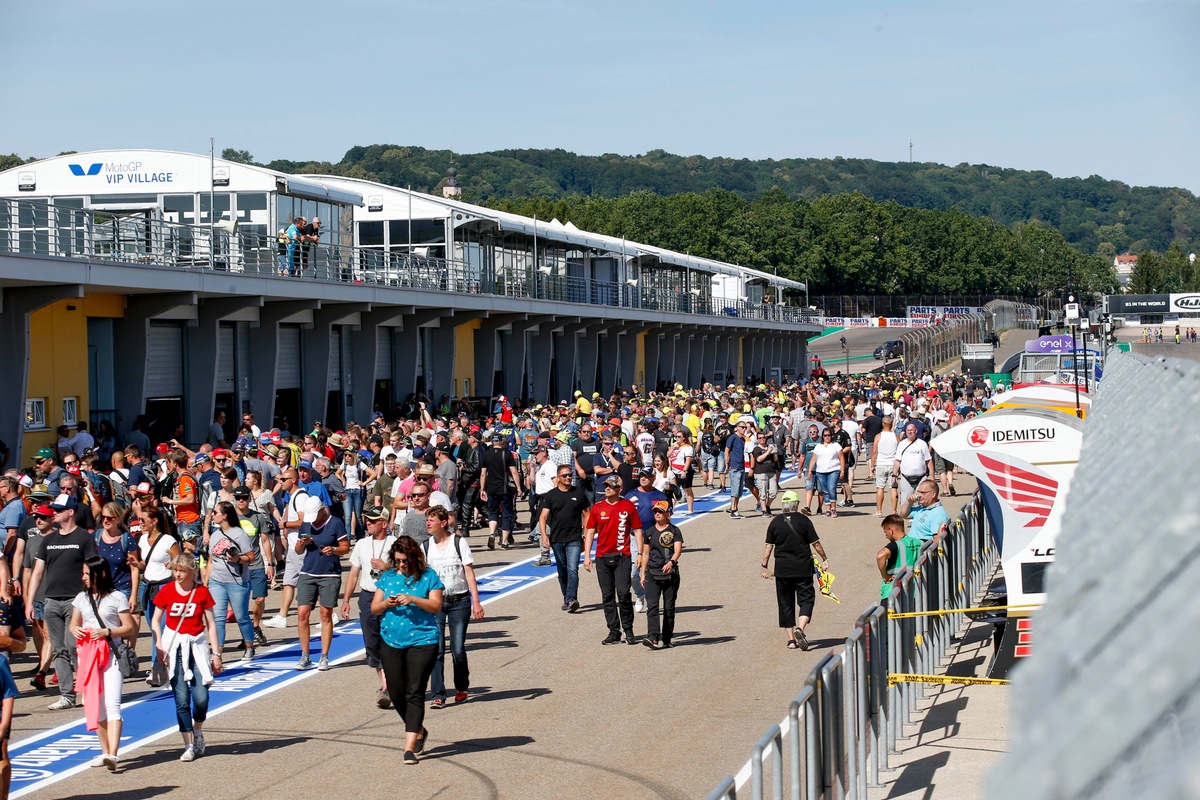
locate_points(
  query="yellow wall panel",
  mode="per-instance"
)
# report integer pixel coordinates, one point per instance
(464, 358)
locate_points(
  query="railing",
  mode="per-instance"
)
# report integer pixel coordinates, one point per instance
(35, 228)
(843, 725)
(929, 348)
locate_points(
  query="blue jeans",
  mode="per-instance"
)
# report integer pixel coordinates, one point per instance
(454, 615)
(238, 596)
(566, 560)
(352, 508)
(737, 482)
(828, 482)
(191, 699)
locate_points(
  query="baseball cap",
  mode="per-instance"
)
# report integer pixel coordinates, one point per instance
(789, 497)
(73, 468)
(220, 452)
(141, 488)
(310, 507)
(241, 493)
(373, 514)
(26, 481)
(43, 511)
(201, 458)
(304, 465)
(613, 480)
(646, 472)
(660, 507)
(426, 469)
(563, 436)
(64, 502)
(44, 452)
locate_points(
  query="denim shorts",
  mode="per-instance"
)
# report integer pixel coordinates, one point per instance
(258, 583)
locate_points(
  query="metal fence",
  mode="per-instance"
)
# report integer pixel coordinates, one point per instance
(929, 348)
(845, 722)
(1106, 706)
(34, 228)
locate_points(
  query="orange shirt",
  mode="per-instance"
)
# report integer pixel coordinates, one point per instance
(185, 489)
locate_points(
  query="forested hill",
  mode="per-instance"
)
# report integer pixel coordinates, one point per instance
(1095, 215)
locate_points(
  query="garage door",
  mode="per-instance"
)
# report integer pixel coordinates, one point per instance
(287, 364)
(164, 360)
(383, 354)
(225, 358)
(334, 380)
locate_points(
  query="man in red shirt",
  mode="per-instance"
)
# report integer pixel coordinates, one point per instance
(613, 523)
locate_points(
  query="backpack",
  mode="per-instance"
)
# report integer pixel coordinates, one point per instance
(120, 493)
(457, 548)
(126, 540)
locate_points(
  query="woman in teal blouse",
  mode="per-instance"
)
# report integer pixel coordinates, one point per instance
(407, 599)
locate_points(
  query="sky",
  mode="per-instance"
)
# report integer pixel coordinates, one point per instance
(1072, 87)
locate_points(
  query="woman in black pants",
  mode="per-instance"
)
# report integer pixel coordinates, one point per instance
(408, 597)
(662, 544)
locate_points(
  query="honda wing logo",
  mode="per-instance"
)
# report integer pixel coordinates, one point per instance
(1025, 491)
(80, 172)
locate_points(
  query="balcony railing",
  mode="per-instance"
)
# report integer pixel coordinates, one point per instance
(33, 227)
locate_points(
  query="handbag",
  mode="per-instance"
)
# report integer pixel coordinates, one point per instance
(126, 656)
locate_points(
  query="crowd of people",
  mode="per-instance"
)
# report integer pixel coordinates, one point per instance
(199, 537)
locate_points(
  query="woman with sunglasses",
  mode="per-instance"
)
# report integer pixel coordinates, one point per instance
(227, 575)
(682, 457)
(408, 598)
(120, 550)
(157, 546)
(828, 461)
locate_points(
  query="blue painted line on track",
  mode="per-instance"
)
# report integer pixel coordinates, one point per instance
(60, 752)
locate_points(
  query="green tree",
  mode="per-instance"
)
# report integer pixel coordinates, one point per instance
(239, 156)
(1147, 276)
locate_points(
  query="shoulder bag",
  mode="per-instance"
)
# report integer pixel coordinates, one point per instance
(126, 656)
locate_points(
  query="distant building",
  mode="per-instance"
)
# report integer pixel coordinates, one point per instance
(1124, 265)
(450, 188)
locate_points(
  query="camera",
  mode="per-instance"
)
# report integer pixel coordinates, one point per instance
(375, 573)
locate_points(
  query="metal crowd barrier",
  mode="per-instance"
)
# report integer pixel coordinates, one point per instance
(929, 348)
(35, 228)
(846, 721)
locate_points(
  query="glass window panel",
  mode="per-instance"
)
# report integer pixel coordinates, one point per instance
(115, 199)
(222, 203)
(424, 231)
(370, 234)
(180, 208)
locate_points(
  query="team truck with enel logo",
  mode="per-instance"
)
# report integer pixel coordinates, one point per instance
(1024, 458)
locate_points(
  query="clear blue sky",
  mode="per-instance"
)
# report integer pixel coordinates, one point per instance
(1073, 87)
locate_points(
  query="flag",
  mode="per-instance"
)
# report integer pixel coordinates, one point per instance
(825, 578)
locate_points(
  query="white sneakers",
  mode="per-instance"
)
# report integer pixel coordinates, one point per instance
(275, 622)
(639, 606)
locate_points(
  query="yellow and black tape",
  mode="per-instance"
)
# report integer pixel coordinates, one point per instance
(952, 680)
(943, 611)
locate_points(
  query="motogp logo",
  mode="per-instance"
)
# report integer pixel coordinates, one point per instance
(978, 436)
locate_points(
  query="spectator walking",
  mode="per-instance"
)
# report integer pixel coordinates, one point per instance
(613, 523)
(791, 539)
(661, 547)
(368, 560)
(449, 555)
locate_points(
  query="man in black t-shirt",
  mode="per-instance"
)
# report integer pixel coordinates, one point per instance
(561, 520)
(792, 538)
(499, 469)
(59, 566)
(586, 447)
(872, 426)
(661, 546)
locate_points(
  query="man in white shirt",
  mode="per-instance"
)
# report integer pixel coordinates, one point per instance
(369, 558)
(914, 462)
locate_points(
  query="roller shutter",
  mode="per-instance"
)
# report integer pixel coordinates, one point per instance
(334, 379)
(287, 362)
(225, 359)
(164, 360)
(383, 354)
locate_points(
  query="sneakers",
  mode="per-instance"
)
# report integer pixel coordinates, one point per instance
(410, 758)
(275, 622)
(766, 512)
(460, 697)
(198, 743)
(735, 515)
(565, 606)
(337, 618)
(832, 510)
(323, 664)
(653, 644)
(612, 638)
(491, 542)
(39, 681)
(189, 754)
(631, 639)
(573, 606)
(384, 701)
(61, 704)
(304, 663)
(806, 511)
(259, 636)
(534, 538)
(249, 653)
(438, 702)
(98, 761)
(639, 607)
(110, 761)
(544, 561)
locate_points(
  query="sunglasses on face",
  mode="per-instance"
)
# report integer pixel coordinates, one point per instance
(418, 494)
(106, 518)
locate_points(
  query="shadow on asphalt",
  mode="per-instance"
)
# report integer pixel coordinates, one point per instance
(171, 753)
(482, 694)
(142, 793)
(918, 777)
(689, 609)
(691, 638)
(476, 746)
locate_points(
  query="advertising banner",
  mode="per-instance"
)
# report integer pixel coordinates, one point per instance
(932, 313)
(859, 322)
(835, 322)
(1139, 303)
(897, 322)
